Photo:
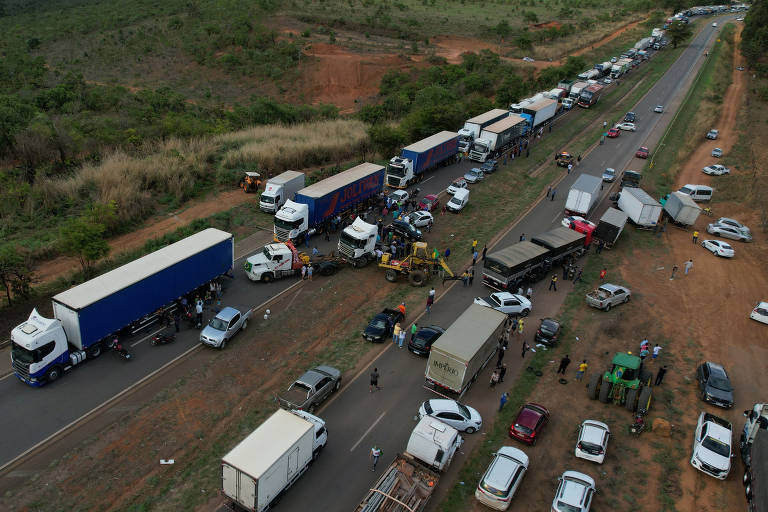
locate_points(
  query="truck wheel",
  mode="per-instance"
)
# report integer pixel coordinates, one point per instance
(646, 397)
(594, 386)
(607, 307)
(360, 262)
(631, 400)
(53, 374)
(390, 275)
(94, 351)
(605, 392)
(266, 278)
(417, 278)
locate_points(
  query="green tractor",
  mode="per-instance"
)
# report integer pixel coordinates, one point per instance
(626, 383)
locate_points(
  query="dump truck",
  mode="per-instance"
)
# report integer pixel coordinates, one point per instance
(280, 189)
(681, 209)
(610, 227)
(642, 209)
(583, 195)
(754, 454)
(463, 350)
(473, 127)
(497, 137)
(418, 266)
(420, 157)
(271, 458)
(507, 268)
(625, 383)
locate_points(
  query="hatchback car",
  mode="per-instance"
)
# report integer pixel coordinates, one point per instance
(716, 170)
(404, 229)
(712, 134)
(474, 175)
(490, 166)
(760, 312)
(725, 221)
(502, 478)
(420, 219)
(613, 133)
(457, 184)
(630, 117)
(509, 303)
(630, 127)
(659, 109)
(429, 202)
(227, 322)
(529, 423)
(714, 384)
(593, 441)
(548, 332)
(422, 341)
(718, 248)
(726, 231)
(575, 493)
(459, 416)
(399, 195)
(609, 174)
(642, 152)
(717, 152)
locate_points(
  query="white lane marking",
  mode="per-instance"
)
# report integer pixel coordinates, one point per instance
(426, 180)
(367, 432)
(558, 216)
(7, 375)
(145, 338)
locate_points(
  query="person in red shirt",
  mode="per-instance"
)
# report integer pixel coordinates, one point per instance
(602, 273)
(401, 308)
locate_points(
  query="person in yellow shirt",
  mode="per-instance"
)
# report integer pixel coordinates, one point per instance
(695, 236)
(396, 333)
(582, 369)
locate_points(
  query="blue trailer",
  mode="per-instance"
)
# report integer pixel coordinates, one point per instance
(422, 156)
(316, 204)
(90, 314)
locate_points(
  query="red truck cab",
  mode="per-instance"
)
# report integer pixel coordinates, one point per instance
(585, 227)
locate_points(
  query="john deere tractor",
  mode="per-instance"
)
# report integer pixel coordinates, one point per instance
(626, 383)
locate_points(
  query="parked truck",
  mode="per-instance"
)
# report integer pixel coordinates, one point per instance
(590, 96)
(463, 350)
(754, 455)
(589, 74)
(538, 112)
(642, 209)
(314, 206)
(681, 209)
(271, 458)
(576, 90)
(420, 157)
(604, 67)
(555, 94)
(644, 43)
(561, 243)
(473, 127)
(89, 316)
(280, 189)
(497, 137)
(565, 85)
(583, 195)
(357, 242)
(621, 67)
(507, 268)
(610, 227)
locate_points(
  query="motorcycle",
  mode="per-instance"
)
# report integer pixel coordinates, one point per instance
(707, 211)
(122, 351)
(638, 426)
(163, 338)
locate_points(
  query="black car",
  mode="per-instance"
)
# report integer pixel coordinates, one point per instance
(424, 338)
(490, 166)
(715, 385)
(630, 117)
(381, 325)
(404, 229)
(548, 332)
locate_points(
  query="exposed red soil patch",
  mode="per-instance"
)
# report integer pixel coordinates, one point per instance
(549, 24)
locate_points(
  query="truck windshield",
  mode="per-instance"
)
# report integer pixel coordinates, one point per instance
(349, 240)
(287, 224)
(480, 147)
(23, 355)
(266, 199)
(396, 171)
(218, 324)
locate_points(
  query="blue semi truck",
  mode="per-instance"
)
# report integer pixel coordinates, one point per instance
(314, 206)
(419, 157)
(88, 316)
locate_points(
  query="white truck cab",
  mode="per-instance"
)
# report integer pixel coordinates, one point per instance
(434, 443)
(357, 242)
(272, 262)
(291, 221)
(399, 172)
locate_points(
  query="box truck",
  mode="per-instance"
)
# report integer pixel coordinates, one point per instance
(473, 127)
(420, 157)
(642, 209)
(537, 112)
(314, 206)
(682, 209)
(271, 458)
(583, 195)
(462, 351)
(280, 189)
(561, 243)
(610, 226)
(576, 90)
(497, 137)
(89, 316)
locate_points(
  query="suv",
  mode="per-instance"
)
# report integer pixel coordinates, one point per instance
(502, 478)
(712, 446)
(715, 385)
(712, 134)
(459, 416)
(489, 166)
(575, 492)
(421, 342)
(227, 322)
(404, 229)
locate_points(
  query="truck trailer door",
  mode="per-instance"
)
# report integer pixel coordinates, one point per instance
(293, 463)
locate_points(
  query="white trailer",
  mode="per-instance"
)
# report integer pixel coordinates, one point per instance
(682, 209)
(642, 209)
(497, 137)
(280, 189)
(583, 195)
(473, 127)
(576, 90)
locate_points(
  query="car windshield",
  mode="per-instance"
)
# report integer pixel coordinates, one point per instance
(719, 447)
(378, 323)
(463, 410)
(565, 507)
(218, 324)
(428, 407)
(492, 490)
(549, 326)
(267, 199)
(720, 383)
(594, 449)
(456, 201)
(523, 429)
(494, 301)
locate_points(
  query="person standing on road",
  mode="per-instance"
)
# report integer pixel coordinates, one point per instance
(599, 246)
(471, 275)
(375, 454)
(474, 258)
(695, 236)
(374, 380)
(430, 301)
(474, 245)
(520, 326)
(564, 362)
(688, 266)
(401, 338)
(605, 124)
(549, 190)
(553, 282)
(447, 252)
(494, 377)
(578, 159)
(552, 196)
(309, 272)
(524, 348)
(485, 250)
(529, 293)
(660, 375)
(502, 372)
(401, 309)
(303, 272)
(656, 351)
(522, 237)
(502, 351)
(581, 370)
(464, 278)
(503, 400)
(578, 276)
(177, 319)
(396, 332)
(432, 293)
(199, 312)
(570, 167)
(414, 330)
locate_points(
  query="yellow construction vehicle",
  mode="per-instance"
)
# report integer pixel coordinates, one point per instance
(419, 266)
(250, 182)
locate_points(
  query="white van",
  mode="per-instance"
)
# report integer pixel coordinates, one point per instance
(459, 200)
(697, 192)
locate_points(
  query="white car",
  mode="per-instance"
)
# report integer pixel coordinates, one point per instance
(716, 170)
(760, 312)
(726, 231)
(607, 80)
(659, 109)
(474, 175)
(566, 222)
(400, 195)
(712, 450)
(509, 303)
(528, 59)
(575, 493)
(502, 478)
(717, 152)
(420, 219)
(718, 248)
(593, 441)
(614, 60)
(457, 184)
(725, 221)
(630, 127)
(459, 416)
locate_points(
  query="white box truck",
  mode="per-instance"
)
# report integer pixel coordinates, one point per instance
(271, 458)
(280, 189)
(642, 209)
(576, 90)
(583, 195)
(682, 209)
(473, 127)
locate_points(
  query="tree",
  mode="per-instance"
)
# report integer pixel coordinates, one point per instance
(503, 29)
(754, 37)
(14, 272)
(14, 117)
(385, 139)
(678, 32)
(83, 237)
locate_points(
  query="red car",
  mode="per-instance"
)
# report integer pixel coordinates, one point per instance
(529, 423)
(642, 152)
(429, 202)
(613, 133)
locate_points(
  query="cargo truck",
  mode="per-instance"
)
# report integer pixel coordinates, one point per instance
(420, 157)
(590, 96)
(604, 67)
(555, 94)
(583, 195)
(507, 268)
(473, 127)
(463, 350)
(621, 67)
(89, 316)
(576, 90)
(643, 44)
(610, 227)
(642, 209)
(536, 112)
(314, 206)
(565, 85)
(271, 459)
(561, 243)
(497, 137)
(280, 189)
(754, 455)
(681, 209)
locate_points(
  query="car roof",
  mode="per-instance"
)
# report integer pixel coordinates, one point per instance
(529, 415)
(594, 431)
(550, 321)
(716, 368)
(430, 196)
(612, 287)
(433, 328)
(443, 404)
(227, 313)
(504, 467)
(574, 487)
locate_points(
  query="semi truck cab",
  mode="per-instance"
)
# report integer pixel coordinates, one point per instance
(480, 150)
(466, 138)
(399, 172)
(291, 221)
(358, 241)
(273, 262)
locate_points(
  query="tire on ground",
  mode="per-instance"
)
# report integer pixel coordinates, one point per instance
(605, 392)
(593, 388)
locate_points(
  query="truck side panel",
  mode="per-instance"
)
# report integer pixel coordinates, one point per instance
(325, 207)
(432, 157)
(112, 313)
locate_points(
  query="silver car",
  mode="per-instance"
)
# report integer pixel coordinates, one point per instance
(734, 224)
(609, 174)
(716, 170)
(223, 327)
(474, 175)
(727, 231)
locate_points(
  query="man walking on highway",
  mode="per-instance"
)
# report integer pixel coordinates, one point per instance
(374, 380)
(553, 282)
(375, 454)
